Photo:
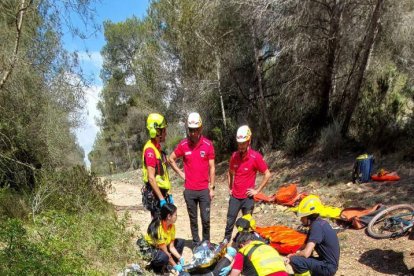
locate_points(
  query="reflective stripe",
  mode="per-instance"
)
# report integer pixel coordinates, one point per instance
(307, 273)
(162, 178)
(264, 259)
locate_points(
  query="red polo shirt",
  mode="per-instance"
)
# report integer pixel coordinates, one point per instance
(196, 159)
(245, 171)
(150, 157)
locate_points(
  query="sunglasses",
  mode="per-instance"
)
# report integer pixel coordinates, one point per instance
(193, 130)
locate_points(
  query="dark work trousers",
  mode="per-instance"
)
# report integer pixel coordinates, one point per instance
(150, 200)
(235, 205)
(201, 198)
(313, 265)
(160, 259)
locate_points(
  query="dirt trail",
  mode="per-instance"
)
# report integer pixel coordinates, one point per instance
(126, 196)
(360, 254)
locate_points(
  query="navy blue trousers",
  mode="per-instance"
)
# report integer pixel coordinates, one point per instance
(315, 266)
(160, 259)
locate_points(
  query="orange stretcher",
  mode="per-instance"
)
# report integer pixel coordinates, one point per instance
(284, 239)
(385, 176)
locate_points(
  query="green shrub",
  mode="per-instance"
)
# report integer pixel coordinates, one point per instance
(175, 134)
(62, 244)
(295, 142)
(331, 141)
(218, 137)
(73, 190)
(13, 204)
(100, 239)
(381, 117)
(19, 255)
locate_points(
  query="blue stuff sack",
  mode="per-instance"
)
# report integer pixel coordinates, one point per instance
(363, 168)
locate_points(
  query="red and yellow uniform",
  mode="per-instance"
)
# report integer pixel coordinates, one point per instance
(258, 258)
(166, 235)
(152, 156)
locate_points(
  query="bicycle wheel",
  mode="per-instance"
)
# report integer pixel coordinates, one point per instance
(389, 222)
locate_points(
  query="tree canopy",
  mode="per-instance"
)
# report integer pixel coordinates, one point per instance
(41, 91)
(289, 69)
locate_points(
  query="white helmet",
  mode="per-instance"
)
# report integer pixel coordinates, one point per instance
(194, 120)
(243, 134)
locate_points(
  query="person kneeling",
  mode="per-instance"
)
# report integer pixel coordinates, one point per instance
(256, 258)
(161, 236)
(321, 237)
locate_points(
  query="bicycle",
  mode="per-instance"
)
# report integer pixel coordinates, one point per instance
(395, 221)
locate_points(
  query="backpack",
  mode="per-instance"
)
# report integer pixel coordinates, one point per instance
(362, 168)
(146, 251)
(286, 193)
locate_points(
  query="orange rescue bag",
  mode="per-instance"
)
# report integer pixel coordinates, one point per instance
(282, 238)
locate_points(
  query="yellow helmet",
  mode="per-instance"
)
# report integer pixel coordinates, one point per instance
(155, 121)
(246, 223)
(309, 205)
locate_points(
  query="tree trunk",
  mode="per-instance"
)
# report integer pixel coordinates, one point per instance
(19, 21)
(223, 112)
(261, 101)
(332, 50)
(367, 44)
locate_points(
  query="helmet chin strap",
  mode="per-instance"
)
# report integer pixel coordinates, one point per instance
(159, 133)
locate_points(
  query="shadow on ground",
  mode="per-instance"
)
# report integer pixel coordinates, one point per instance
(332, 177)
(129, 208)
(385, 261)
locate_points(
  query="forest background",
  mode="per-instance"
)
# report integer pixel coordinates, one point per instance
(326, 76)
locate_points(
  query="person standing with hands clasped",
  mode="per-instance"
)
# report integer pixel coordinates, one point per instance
(244, 165)
(154, 167)
(198, 155)
(321, 238)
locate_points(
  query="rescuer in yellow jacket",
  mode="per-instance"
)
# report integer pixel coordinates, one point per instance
(155, 192)
(256, 258)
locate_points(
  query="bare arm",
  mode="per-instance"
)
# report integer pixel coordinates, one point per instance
(235, 272)
(174, 251)
(163, 247)
(212, 170)
(265, 180)
(153, 183)
(306, 252)
(174, 165)
(230, 179)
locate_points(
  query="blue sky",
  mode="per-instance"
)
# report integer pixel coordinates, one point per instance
(91, 59)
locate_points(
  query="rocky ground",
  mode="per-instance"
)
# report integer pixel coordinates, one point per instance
(360, 254)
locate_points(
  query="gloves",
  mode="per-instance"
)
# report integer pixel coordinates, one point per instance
(178, 268)
(182, 261)
(225, 270)
(162, 202)
(170, 199)
(231, 251)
